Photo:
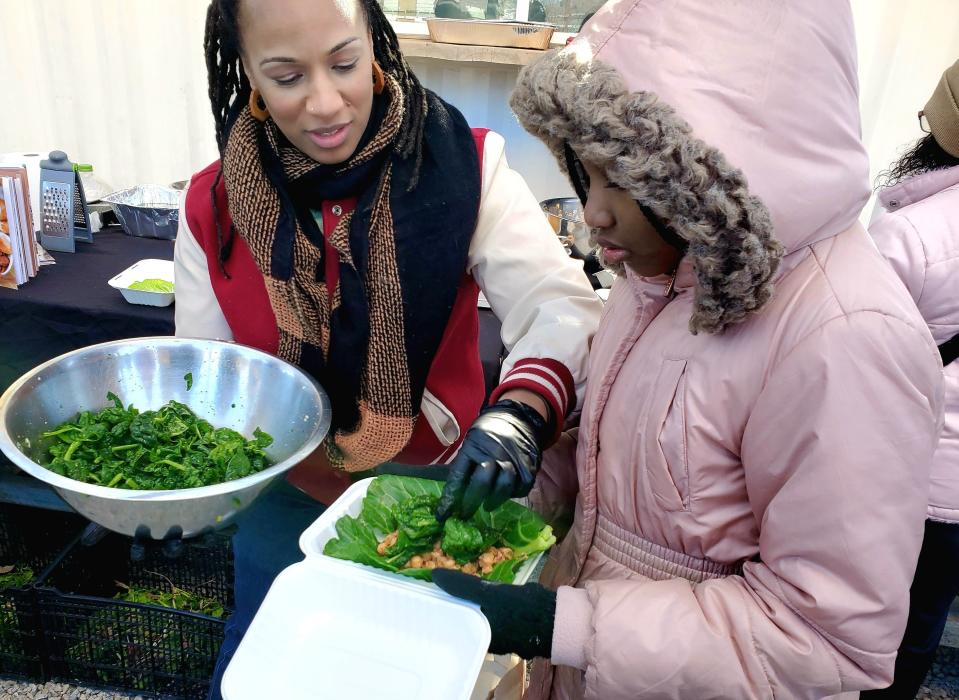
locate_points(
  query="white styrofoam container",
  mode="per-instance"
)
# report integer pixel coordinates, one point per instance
(332, 631)
(315, 537)
(142, 270)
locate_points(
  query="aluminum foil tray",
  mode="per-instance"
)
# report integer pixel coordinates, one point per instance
(147, 211)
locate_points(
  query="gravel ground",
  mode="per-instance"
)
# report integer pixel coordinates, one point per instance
(942, 683)
(13, 690)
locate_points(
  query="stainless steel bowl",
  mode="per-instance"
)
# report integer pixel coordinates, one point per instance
(234, 386)
(565, 215)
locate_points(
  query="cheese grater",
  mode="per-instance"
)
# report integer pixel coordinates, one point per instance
(63, 214)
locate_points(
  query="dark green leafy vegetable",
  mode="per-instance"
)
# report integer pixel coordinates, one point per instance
(174, 597)
(15, 576)
(397, 524)
(170, 448)
(188, 378)
(130, 650)
(416, 517)
(462, 541)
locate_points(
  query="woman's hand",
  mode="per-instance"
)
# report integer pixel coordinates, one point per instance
(498, 460)
(520, 617)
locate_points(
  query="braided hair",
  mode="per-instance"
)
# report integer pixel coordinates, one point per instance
(924, 156)
(229, 89)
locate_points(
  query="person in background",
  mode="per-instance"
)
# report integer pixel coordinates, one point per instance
(537, 11)
(917, 230)
(748, 481)
(348, 228)
(450, 9)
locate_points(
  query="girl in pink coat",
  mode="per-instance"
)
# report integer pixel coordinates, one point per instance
(917, 230)
(747, 487)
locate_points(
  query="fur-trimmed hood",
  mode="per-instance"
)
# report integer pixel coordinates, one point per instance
(705, 114)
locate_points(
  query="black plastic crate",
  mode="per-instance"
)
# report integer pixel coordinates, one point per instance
(30, 538)
(92, 638)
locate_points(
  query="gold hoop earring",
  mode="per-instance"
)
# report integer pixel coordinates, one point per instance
(379, 80)
(260, 113)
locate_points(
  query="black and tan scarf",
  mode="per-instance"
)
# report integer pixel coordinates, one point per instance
(402, 256)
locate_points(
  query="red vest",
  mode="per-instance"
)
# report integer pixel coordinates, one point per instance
(456, 375)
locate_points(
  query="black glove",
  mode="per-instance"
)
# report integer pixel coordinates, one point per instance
(498, 459)
(520, 617)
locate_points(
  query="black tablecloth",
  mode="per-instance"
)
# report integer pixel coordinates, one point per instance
(70, 305)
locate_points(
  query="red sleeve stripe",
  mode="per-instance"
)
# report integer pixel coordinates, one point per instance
(560, 374)
(543, 380)
(543, 386)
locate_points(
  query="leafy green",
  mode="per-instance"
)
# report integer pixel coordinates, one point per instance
(153, 284)
(132, 647)
(505, 571)
(188, 378)
(388, 492)
(416, 517)
(12, 576)
(174, 597)
(356, 541)
(406, 506)
(15, 576)
(462, 541)
(170, 448)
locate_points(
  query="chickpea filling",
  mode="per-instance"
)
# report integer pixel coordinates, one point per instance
(438, 559)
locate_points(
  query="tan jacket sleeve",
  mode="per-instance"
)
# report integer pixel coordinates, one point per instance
(836, 457)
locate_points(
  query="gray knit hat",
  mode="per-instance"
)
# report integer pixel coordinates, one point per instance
(942, 111)
(651, 152)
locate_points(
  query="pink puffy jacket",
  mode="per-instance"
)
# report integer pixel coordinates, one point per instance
(918, 232)
(748, 506)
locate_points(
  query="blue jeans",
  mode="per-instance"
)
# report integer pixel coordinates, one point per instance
(265, 543)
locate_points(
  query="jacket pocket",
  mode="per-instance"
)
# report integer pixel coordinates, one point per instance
(667, 467)
(441, 420)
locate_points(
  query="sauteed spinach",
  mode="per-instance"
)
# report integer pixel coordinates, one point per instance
(170, 448)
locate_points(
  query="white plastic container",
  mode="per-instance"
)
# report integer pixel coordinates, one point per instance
(326, 630)
(144, 270)
(315, 537)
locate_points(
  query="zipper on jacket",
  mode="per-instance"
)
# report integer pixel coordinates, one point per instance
(670, 283)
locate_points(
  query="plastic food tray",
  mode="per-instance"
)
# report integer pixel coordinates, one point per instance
(142, 270)
(315, 537)
(333, 631)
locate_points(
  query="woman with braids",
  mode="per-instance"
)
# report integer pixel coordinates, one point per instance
(348, 227)
(748, 483)
(917, 231)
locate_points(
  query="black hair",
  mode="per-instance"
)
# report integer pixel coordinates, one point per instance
(924, 156)
(229, 89)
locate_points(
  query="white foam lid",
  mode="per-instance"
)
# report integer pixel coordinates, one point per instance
(330, 630)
